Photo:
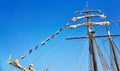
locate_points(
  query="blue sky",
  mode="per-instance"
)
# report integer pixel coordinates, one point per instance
(25, 23)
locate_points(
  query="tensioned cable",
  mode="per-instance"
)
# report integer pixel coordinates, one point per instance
(101, 56)
(116, 47)
(54, 49)
(43, 43)
(106, 50)
(63, 57)
(81, 54)
(37, 60)
(103, 47)
(13, 68)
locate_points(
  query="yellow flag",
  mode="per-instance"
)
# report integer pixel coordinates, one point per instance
(10, 57)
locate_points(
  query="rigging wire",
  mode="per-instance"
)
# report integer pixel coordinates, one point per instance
(63, 57)
(45, 53)
(116, 47)
(37, 60)
(112, 63)
(117, 51)
(111, 52)
(106, 50)
(12, 68)
(51, 51)
(104, 64)
(43, 43)
(80, 55)
(103, 48)
(30, 51)
(118, 21)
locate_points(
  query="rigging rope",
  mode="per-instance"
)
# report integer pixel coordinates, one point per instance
(43, 54)
(104, 64)
(81, 54)
(106, 51)
(13, 68)
(116, 48)
(37, 60)
(62, 57)
(43, 42)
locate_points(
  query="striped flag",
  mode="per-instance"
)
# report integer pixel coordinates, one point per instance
(23, 56)
(57, 32)
(42, 43)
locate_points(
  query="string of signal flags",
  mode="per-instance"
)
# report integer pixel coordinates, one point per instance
(44, 41)
(52, 37)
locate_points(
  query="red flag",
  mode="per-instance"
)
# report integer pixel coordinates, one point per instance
(52, 36)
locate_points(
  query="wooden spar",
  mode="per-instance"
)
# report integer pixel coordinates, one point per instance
(105, 36)
(114, 53)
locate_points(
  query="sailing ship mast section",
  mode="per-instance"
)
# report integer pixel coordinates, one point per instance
(113, 49)
(91, 35)
(89, 25)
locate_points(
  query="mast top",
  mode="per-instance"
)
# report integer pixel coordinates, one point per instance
(87, 10)
(87, 6)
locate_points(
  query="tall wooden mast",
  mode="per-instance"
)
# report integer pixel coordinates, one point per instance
(113, 49)
(91, 35)
(92, 54)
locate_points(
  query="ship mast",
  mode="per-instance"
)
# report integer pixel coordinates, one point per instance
(113, 49)
(93, 62)
(92, 54)
(91, 35)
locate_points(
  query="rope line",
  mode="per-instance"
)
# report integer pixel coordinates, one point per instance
(61, 57)
(37, 60)
(81, 54)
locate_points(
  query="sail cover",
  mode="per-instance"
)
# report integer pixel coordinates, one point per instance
(91, 23)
